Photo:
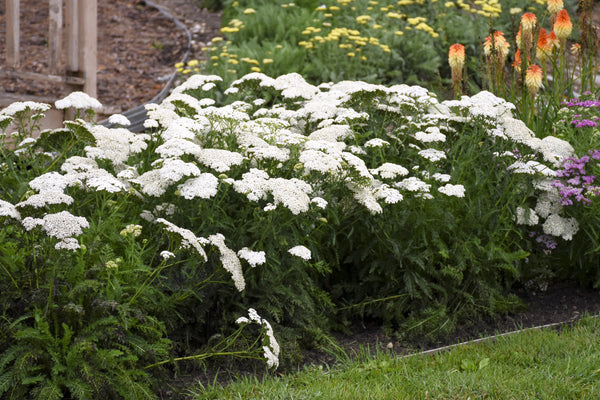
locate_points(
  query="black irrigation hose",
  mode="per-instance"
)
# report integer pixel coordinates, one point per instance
(138, 115)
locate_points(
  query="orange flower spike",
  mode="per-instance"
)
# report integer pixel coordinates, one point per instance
(518, 37)
(563, 25)
(528, 22)
(533, 79)
(517, 63)
(553, 40)
(456, 57)
(499, 44)
(554, 6)
(544, 47)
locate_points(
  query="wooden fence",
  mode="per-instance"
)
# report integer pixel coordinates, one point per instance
(72, 43)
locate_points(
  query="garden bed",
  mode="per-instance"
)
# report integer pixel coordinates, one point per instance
(137, 48)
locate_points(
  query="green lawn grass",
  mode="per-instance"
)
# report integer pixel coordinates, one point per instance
(534, 364)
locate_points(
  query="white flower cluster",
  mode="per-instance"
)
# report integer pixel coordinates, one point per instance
(527, 216)
(133, 230)
(78, 100)
(431, 134)
(187, 237)
(9, 210)
(254, 258)
(300, 251)
(20, 106)
(115, 144)
(555, 225)
(452, 190)
(62, 226)
(230, 260)
(271, 347)
(119, 119)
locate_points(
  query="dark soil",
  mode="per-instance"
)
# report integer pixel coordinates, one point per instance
(137, 49)
(562, 302)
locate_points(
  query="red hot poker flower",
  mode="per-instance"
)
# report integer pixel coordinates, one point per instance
(528, 22)
(533, 79)
(563, 25)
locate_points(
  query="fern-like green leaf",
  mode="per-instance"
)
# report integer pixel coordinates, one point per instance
(5, 382)
(50, 391)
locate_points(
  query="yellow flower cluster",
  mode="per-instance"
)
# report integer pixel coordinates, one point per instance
(348, 39)
(235, 25)
(363, 19)
(191, 66)
(486, 8)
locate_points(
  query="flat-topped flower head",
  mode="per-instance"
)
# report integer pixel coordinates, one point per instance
(533, 79)
(563, 25)
(301, 251)
(21, 106)
(78, 100)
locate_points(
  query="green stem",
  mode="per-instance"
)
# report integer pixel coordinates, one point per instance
(241, 354)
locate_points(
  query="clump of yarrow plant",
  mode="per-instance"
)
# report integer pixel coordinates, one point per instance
(300, 154)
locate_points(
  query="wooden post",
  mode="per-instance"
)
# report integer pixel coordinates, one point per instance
(72, 28)
(55, 38)
(88, 44)
(12, 33)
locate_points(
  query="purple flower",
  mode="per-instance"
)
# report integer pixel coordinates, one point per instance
(595, 154)
(584, 123)
(588, 179)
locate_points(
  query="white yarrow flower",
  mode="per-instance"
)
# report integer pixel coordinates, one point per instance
(555, 225)
(119, 119)
(165, 254)
(21, 106)
(320, 202)
(230, 261)
(452, 190)
(413, 184)
(9, 210)
(389, 171)
(432, 155)
(67, 244)
(376, 143)
(527, 216)
(204, 187)
(300, 251)
(188, 238)
(254, 258)
(78, 100)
